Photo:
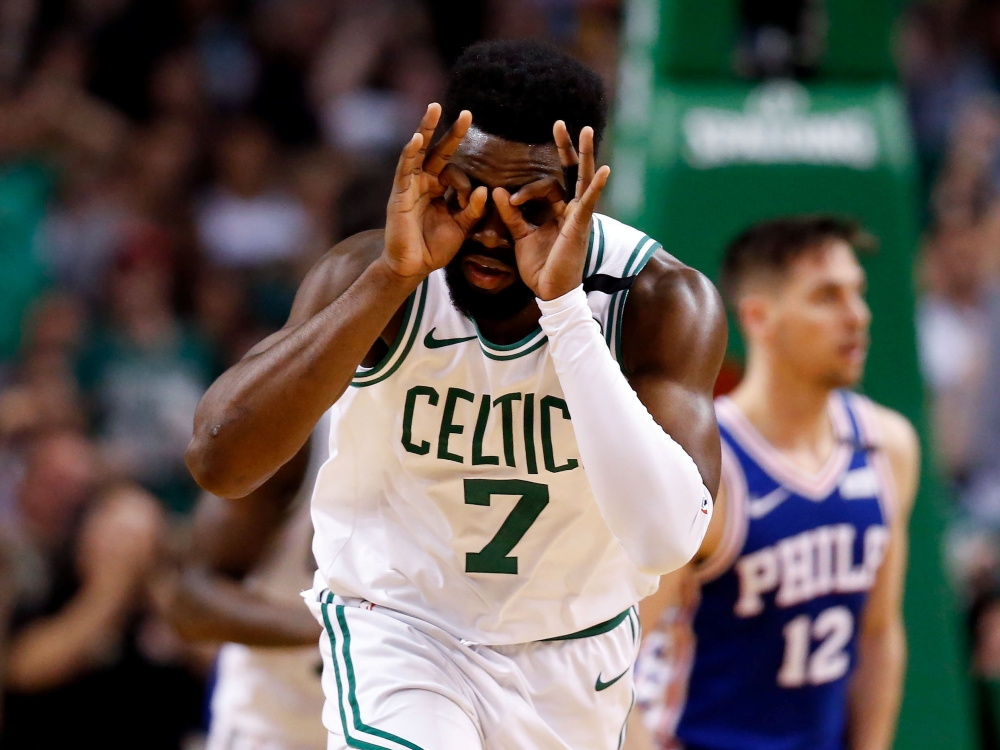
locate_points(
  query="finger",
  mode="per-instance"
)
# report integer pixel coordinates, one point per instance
(426, 128)
(593, 193)
(406, 165)
(511, 215)
(564, 144)
(586, 173)
(469, 216)
(441, 154)
(547, 188)
(453, 177)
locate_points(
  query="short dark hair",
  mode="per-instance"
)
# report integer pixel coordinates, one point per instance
(772, 246)
(517, 89)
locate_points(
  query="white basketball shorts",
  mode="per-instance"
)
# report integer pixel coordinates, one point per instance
(393, 682)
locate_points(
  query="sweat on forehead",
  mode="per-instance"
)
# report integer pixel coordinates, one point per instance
(496, 161)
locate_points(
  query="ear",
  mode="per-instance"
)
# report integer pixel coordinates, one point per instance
(754, 314)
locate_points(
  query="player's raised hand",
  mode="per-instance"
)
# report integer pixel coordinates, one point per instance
(551, 256)
(421, 233)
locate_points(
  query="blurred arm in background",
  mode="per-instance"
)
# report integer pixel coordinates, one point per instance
(117, 549)
(876, 687)
(211, 602)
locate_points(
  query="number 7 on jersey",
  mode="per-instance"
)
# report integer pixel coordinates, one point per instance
(493, 557)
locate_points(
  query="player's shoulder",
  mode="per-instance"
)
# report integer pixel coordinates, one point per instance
(898, 438)
(335, 272)
(664, 281)
(897, 433)
(361, 249)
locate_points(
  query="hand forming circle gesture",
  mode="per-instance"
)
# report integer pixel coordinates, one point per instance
(421, 233)
(551, 256)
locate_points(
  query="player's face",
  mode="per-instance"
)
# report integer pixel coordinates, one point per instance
(483, 276)
(819, 318)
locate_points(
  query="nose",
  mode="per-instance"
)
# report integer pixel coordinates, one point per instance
(491, 232)
(860, 313)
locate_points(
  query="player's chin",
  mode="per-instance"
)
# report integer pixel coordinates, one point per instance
(845, 374)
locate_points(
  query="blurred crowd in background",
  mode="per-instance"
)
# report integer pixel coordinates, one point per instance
(948, 54)
(169, 169)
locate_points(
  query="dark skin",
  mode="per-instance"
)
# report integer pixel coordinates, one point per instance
(210, 602)
(478, 187)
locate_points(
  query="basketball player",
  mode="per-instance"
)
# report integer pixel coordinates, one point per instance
(249, 560)
(786, 631)
(516, 454)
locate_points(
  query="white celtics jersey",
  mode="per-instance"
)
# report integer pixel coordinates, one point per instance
(275, 694)
(454, 491)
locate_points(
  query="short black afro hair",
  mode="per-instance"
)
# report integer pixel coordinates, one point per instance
(517, 89)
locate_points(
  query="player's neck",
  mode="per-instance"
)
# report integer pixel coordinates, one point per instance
(513, 329)
(789, 412)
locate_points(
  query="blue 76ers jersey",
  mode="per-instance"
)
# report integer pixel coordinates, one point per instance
(775, 629)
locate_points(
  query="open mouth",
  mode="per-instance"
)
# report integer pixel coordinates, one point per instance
(486, 272)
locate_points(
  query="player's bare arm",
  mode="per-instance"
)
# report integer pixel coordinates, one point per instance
(666, 443)
(877, 685)
(673, 341)
(261, 411)
(210, 601)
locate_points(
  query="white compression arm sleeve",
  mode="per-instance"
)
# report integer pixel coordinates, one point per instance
(647, 487)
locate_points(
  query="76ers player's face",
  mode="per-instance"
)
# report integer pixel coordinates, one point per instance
(816, 322)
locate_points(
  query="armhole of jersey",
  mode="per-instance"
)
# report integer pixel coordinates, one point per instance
(412, 315)
(734, 533)
(871, 435)
(616, 309)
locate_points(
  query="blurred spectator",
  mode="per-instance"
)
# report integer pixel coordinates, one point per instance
(942, 67)
(319, 179)
(144, 371)
(375, 76)
(248, 219)
(952, 331)
(80, 552)
(126, 41)
(289, 32)
(79, 234)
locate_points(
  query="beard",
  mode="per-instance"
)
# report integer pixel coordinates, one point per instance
(477, 304)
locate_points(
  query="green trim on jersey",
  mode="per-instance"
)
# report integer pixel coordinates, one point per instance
(633, 621)
(600, 245)
(401, 346)
(598, 629)
(596, 231)
(637, 261)
(504, 352)
(590, 249)
(352, 697)
(621, 734)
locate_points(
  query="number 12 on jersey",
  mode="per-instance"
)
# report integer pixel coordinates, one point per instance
(833, 627)
(493, 558)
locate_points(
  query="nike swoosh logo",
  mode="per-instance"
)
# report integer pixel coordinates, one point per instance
(599, 686)
(432, 343)
(761, 506)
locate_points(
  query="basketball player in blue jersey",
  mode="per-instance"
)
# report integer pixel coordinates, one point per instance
(785, 632)
(522, 438)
